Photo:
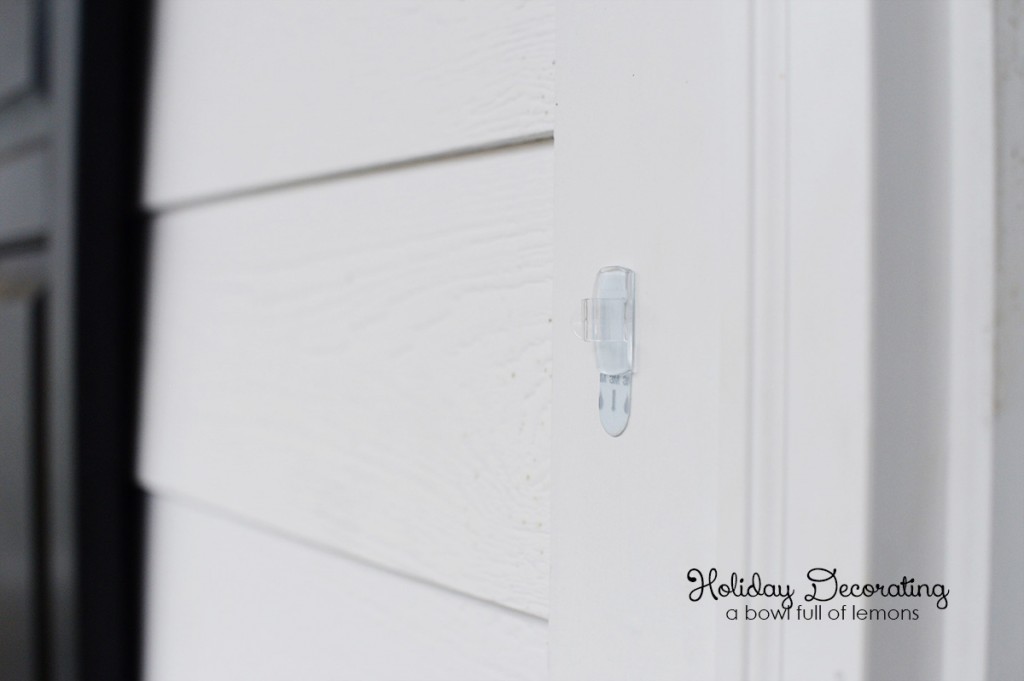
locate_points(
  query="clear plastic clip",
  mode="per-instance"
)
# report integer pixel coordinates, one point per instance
(602, 319)
(606, 320)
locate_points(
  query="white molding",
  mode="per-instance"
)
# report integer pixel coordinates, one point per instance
(789, 328)
(971, 339)
(1005, 655)
(828, 328)
(652, 140)
(767, 342)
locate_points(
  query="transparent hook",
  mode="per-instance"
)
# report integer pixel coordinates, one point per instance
(602, 319)
(606, 320)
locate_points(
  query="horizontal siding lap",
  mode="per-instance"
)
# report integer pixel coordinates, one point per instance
(366, 364)
(231, 602)
(247, 94)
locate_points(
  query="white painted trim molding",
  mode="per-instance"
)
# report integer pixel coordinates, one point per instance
(653, 173)
(972, 209)
(1005, 654)
(820, 397)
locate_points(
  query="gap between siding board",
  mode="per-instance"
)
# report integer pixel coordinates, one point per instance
(212, 509)
(384, 166)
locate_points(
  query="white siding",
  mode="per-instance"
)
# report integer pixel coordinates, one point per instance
(254, 92)
(348, 339)
(366, 363)
(232, 602)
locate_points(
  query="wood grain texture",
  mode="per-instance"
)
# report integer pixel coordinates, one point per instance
(226, 601)
(255, 92)
(365, 364)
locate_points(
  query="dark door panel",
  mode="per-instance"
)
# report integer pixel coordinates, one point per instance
(20, 458)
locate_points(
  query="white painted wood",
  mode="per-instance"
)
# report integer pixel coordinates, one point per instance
(968, 517)
(254, 92)
(888, 329)
(752, 247)
(766, 343)
(828, 319)
(911, 313)
(227, 601)
(653, 174)
(1005, 654)
(365, 363)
